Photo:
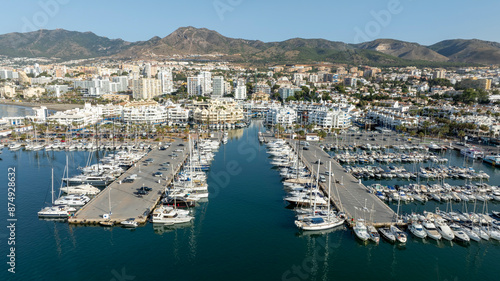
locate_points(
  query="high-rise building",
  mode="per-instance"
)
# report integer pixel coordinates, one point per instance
(194, 86)
(167, 83)
(240, 92)
(146, 88)
(219, 87)
(147, 70)
(122, 83)
(206, 83)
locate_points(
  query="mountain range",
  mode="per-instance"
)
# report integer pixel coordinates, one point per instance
(69, 45)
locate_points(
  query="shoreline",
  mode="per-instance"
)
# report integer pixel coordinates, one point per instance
(50, 106)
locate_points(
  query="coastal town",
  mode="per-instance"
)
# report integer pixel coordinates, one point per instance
(459, 103)
(250, 140)
(139, 109)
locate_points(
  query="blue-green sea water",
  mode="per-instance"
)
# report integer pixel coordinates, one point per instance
(244, 232)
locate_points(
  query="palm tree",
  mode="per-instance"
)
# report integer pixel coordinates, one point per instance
(461, 135)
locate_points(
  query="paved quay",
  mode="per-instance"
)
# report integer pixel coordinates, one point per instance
(124, 203)
(355, 200)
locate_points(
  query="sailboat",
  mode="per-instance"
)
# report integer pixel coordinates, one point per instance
(55, 211)
(398, 233)
(320, 222)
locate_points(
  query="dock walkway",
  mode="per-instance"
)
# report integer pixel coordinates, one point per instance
(355, 200)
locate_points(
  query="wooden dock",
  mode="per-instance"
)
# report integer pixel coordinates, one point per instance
(125, 204)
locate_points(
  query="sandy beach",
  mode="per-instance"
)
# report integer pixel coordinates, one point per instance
(52, 106)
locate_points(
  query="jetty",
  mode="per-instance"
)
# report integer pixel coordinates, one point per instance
(120, 197)
(355, 200)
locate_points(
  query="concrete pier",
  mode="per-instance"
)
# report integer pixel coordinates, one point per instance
(125, 203)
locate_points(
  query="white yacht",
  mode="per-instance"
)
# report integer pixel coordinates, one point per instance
(170, 215)
(374, 236)
(361, 231)
(319, 222)
(72, 200)
(492, 232)
(431, 230)
(472, 235)
(459, 233)
(83, 189)
(93, 180)
(14, 146)
(445, 230)
(399, 234)
(131, 223)
(387, 234)
(480, 232)
(56, 212)
(472, 152)
(418, 230)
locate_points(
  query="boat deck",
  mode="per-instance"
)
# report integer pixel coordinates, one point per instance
(125, 203)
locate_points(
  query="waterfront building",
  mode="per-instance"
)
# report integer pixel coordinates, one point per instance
(284, 116)
(219, 111)
(329, 118)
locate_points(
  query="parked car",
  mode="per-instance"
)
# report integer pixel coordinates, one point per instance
(145, 188)
(141, 192)
(157, 174)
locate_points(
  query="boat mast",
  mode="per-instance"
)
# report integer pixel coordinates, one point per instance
(52, 184)
(109, 201)
(317, 188)
(329, 187)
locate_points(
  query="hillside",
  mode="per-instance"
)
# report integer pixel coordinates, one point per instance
(469, 51)
(68, 45)
(59, 43)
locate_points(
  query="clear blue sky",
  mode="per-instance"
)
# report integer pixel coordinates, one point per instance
(422, 21)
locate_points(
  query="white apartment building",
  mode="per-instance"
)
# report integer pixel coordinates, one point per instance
(206, 82)
(194, 87)
(75, 117)
(329, 118)
(146, 88)
(177, 114)
(166, 81)
(145, 115)
(219, 87)
(285, 116)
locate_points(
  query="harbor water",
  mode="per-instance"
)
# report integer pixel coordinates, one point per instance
(243, 232)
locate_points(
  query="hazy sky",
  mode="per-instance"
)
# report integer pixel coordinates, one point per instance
(422, 21)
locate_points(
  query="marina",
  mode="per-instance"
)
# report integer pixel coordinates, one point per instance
(208, 235)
